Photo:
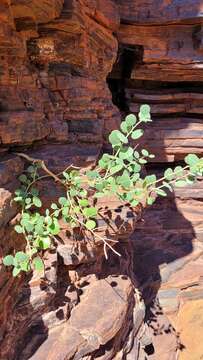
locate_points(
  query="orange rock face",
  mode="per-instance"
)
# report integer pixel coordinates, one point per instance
(69, 69)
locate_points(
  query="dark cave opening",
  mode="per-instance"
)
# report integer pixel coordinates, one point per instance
(128, 57)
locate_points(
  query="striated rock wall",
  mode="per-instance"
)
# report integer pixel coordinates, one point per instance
(167, 75)
(69, 69)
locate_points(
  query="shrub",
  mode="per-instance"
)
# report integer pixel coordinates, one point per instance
(118, 174)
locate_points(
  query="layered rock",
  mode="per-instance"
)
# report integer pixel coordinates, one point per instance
(54, 101)
(55, 105)
(162, 41)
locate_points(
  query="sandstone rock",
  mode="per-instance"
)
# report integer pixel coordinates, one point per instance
(189, 324)
(89, 326)
(169, 11)
(22, 127)
(7, 208)
(10, 168)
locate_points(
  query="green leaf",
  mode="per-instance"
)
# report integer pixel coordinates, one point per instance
(124, 180)
(39, 227)
(18, 199)
(116, 169)
(90, 224)
(48, 220)
(161, 192)
(130, 195)
(116, 138)
(16, 271)
(25, 266)
(124, 127)
(31, 169)
(151, 156)
(63, 201)
(142, 161)
(76, 209)
(191, 159)
(18, 229)
(23, 178)
(150, 200)
(92, 174)
(28, 200)
(136, 154)
(145, 152)
(126, 153)
(135, 177)
(134, 202)
(90, 212)
(66, 175)
(137, 134)
(44, 242)
(54, 206)
(37, 202)
(150, 179)
(131, 120)
(178, 171)
(136, 168)
(168, 174)
(38, 264)
(83, 202)
(8, 260)
(144, 114)
(180, 183)
(28, 225)
(20, 256)
(54, 228)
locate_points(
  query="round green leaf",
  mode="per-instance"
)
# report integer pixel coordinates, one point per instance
(90, 224)
(131, 120)
(126, 153)
(144, 114)
(150, 200)
(18, 229)
(54, 228)
(142, 161)
(137, 134)
(37, 202)
(124, 127)
(168, 174)
(54, 206)
(145, 152)
(83, 202)
(23, 178)
(44, 242)
(178, 171)
(63, 201)
(20, 256)
(38, 264)
(116, 169)
(8, 260)
(116, 138)
(191, 159)
(180, 183)
(90, 212)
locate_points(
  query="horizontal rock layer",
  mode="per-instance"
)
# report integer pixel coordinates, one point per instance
(55, 105)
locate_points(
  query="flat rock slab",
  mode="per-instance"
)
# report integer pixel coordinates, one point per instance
(94, 321)
(190, 326)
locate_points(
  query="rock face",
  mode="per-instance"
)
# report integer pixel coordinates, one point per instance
(69, 69)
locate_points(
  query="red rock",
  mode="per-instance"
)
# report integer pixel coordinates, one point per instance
(22, 127)
(168, 11)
